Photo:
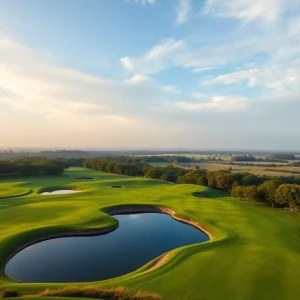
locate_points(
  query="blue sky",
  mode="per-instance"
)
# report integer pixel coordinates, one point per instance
(150, 73)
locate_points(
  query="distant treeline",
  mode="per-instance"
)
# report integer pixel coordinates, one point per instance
(243, 158)
(283, 171)
(119, 165)
(277, 157)
(245, 186)
(34, 166)
(268, 165)
(168, 159)
(285, 156)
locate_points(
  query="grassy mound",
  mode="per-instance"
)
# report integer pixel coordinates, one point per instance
(12, 190)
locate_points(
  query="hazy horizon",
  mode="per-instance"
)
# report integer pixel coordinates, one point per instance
(150, 74)
(171, 150)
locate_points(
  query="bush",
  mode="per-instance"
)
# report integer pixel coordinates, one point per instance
(9, 293)
(118, 293)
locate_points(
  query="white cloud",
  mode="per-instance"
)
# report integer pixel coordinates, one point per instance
(165, 49)
(161, 56)
(143, 2)
(280, 44)
(216, 103)
(31, 84)
(138, 78)
(127, 63)
(250, 10)
(203, 69)
(183, 11)
(284, 77)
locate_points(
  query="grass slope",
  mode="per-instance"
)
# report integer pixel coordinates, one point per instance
(254, 253)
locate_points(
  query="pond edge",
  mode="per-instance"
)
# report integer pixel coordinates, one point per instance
(112, 210)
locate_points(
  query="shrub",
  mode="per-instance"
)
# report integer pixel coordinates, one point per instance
(118, 293)
(9, 293)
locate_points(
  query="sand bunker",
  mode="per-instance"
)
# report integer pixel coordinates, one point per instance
(60, 192)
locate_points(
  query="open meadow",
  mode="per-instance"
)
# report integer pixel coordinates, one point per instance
(257, 170)
(254, 252)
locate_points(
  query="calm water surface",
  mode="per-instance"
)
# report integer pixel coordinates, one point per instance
(139, 239)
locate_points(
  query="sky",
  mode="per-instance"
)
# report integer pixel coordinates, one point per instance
(197, 74)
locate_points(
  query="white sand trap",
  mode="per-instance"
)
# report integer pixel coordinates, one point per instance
(60, 192)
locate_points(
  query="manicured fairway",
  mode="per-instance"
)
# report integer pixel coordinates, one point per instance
(254, 253)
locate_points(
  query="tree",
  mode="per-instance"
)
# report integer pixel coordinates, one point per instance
(224, 180)
(211, 179)
(290, 194)
(269, 189)
(251, 180)
(260, 195)
(249, 192)
(154, 173)
(234, 184)
(202, 181)
(238, 192)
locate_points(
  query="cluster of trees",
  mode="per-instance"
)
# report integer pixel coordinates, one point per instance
(71, 162)
(243, 158)
(168, 173)
(272, 192)
(285, 156)
(32, 167)
(246, 186)
(119, 165)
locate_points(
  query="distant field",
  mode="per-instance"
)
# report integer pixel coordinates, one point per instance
(258, 170)
(224, 157)
(196, 155)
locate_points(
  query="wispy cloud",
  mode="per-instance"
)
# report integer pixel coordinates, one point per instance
(138, 79)
(250, 10)
(31, 83)
(285, 77)
(203, 69)
(215, 103)
(143, 2)
(183, 11)
(163, 55)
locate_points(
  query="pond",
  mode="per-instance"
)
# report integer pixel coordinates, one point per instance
(138, 239)
(60, 192)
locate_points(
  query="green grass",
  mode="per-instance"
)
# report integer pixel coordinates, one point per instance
(11, 190)
(254, 253)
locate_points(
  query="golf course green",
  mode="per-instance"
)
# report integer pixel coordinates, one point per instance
(254, 252)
